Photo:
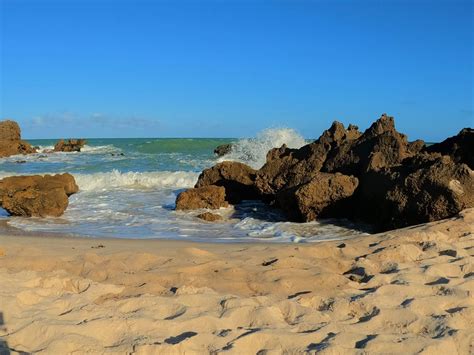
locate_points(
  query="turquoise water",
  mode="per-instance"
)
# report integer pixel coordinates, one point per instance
(128, 188)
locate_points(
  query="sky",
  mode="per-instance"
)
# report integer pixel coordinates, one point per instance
(141, 68)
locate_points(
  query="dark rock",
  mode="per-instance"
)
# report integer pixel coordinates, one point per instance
(223, 149)
(460, 147)
(69, 145)
(37, 195)
(10, 140)
(211, 197)
(325, 195)
(209, 217)
(237, 179)
(286, 168)
(379, 147)
(425, 188)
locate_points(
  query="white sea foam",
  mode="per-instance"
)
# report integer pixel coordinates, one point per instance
(116, 179)
(253, 151)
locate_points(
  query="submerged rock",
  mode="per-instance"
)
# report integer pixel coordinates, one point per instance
(211, 197)
(10, 140)
(209, 217)
(69, 145)
(37, 196)
(237, 179)
(223, 149)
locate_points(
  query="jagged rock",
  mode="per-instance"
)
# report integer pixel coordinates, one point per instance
(69, 145)
(380, 146)
(10, 140)
(425, 188)
(223, 149)
(237, 179)
(209, 217)
(211, 197)
(286, 167)
(37, 195)
(460, 147)
(325, 195)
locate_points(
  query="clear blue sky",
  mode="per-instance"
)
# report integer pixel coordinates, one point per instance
(231, 68)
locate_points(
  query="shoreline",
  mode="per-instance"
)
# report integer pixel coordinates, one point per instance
(403, 291)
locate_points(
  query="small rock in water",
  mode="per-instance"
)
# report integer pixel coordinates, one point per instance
(209, 217)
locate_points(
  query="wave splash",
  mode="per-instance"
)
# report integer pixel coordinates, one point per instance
(253, 151)
(117, 179)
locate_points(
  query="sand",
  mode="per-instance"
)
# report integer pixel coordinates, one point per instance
(409, 291)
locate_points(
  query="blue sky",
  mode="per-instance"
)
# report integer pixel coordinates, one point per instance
(232, 68)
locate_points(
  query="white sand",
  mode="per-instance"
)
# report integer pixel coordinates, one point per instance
(65, 295)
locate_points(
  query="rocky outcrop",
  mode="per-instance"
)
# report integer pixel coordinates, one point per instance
(425, 188)
(286, 167)
(223, 149)
(237, 179)
(380, 146)
(211, 197)
(10, 140)
(325, 195)
(36, 196)
(377, 176)
(460, 147)
(69, 145)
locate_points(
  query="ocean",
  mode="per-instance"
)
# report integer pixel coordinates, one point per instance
(128, 189)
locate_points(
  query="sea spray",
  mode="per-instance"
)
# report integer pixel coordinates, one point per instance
(253, 151)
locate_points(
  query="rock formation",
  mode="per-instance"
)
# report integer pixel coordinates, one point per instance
(211, 197)
(69, 145)
(36, 196)
(10, 140)
(223, 149)
(377, 176)
(209, 217)
(237, 179)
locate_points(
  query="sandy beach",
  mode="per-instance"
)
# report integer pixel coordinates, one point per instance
(402, 292)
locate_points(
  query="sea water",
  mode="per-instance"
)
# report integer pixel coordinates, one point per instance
(128, 189)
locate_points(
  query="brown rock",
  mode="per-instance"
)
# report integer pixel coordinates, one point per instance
(223, 149)
(211, 197)
(10, 140)
(425, 188)
(380, 146)
(460, 147)
(325, 195)
(291, 167)
(209, 217)
(37, 195)
(69, 145)
(237, 179)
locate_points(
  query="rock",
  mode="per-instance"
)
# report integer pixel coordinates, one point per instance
(69, 145)
(325, 195)
(223, 149)
(10, 140)
(460, 147)
(209, 217)
(425, 188)
(36, 195)
(237, 179)
(286, 167)
(211, 197)
(380, 146)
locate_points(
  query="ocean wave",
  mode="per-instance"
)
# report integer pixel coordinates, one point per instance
(253, 151)
(117, 179)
